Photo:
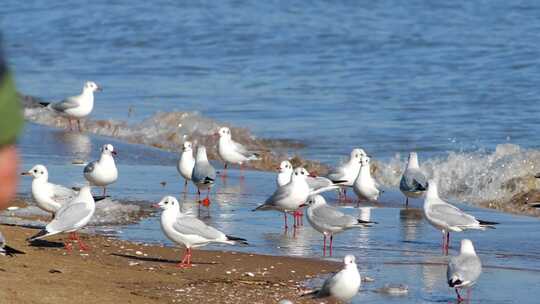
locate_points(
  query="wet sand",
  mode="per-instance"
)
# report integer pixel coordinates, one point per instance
(115, 271)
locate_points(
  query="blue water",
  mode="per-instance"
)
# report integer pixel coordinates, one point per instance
(385, 75)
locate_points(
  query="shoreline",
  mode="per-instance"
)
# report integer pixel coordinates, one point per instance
(127, 272)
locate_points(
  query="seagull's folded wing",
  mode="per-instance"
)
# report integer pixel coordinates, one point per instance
(452, 215)
(69, 217)
(66, 104)
(193, 226)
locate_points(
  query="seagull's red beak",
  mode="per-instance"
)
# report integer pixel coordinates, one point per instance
(312, 174)
(301, 206)
(25, 173)
(155, 206)
(114, 153)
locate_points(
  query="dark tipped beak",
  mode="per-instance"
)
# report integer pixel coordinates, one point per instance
(303, 205)
(114, 153)
(155, 206)
(25, 173)
(99, 89)
(312, 174)
(278, 168)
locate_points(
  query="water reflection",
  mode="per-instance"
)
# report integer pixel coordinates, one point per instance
(411, 221)
(76, 144)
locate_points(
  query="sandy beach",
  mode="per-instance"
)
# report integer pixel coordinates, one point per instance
(115, 271)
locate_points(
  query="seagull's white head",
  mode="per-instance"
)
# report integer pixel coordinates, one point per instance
(364, 161)
(201, 154)
(91, 86)
(413, 161)
(315, 201)
(432, 191)
(224, 132)
(285, 167)
(467, 247)
(349, 259)
(167, 202)
(300, 173)
(108, 149)
(38, 171)
(357, 153)
(187, 146)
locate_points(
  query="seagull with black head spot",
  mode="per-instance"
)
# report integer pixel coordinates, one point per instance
(203, 176)
(102, 172)
(232, 152)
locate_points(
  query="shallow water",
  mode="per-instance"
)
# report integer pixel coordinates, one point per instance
(402, 248)
(390, 77)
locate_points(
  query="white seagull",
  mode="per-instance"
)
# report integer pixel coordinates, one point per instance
(447, 217)
(204, 175)
(231, 151)
(463, 270)
(7, 250)
(285, 171)
(343, 285)
(413, 183)
(189, 231)
(365, 185)
(329, 220)
(70, 218)
(346, 173)
(102, 172)
(48, 196)
(76, 107)
(290, 197)
(186, 163)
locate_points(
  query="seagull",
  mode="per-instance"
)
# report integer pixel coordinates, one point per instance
(76, 107)
(70, 218)
(329, 220)
(290, 197)
(188, 230)
(447, 217)
(365, 185)
(285, 171)
(186, 163)
(413, 183)
(203, 175)
(348, 171)
(343, 285)
(463, 270)
(7, 250)
(48, 196)
(102, 172)
(231, 151)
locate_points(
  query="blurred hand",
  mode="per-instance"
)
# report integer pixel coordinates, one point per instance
(9, 162)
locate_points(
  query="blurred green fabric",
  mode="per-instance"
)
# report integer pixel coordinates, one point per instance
(11, 116)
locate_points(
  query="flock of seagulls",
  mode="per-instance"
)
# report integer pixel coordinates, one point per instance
(72, 209)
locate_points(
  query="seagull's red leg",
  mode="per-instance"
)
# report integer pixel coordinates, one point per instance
(82, 245)
(324, 244)
(224, 175)
(459, 298)
(186, 260)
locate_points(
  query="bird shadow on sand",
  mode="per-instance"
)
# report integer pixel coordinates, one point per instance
(46, 244)
(157, 260)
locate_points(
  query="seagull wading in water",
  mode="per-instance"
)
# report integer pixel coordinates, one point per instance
(348, 171)
(463, 270)
(290, 197)
(102, 172)
(343, 285)
(413, 183)
(365, 185)
(189, 231)
(70, 218)
(232, 152)
(203, 176)
(48, 196)
(447, 217)
(186, 163)
(76, 107)
(329, 220)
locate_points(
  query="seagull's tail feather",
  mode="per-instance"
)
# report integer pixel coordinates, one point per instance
(312, 293)
(338, 182)
(208, 180)
(365, 222)
(487, 224)
(454, 282)
(98, 198)
(237, 240)
(262, 207)
(41, 234)
(45, 104)
(10, 251)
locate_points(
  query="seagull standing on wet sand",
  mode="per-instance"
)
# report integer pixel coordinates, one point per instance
(189, 231)
(231, 151)
(186, 163)
(343, 285)
(76, 107)
(102, 172)
(365, 185)
(348, 171)
(329, 220)
(447, 217)
(49, 197)
(463, 270)
(70, 218)
(203, 176)
(413, 183)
